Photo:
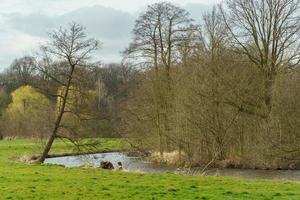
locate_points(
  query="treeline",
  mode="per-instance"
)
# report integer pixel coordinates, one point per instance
(221, 93)
(29, 100)
(62, 94)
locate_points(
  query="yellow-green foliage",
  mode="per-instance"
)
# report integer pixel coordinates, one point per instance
(78, 101)
(79, 107)
(29, 114)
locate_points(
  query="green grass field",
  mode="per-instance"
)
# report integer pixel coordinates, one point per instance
(23, 181)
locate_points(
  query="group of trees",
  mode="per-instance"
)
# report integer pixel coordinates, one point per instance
(223, 92)
(61, 94)
(220, 93)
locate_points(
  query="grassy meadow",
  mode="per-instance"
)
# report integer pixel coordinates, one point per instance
(32, 181)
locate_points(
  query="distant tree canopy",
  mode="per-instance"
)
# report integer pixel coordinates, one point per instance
(4, 100)
(21, 72)
(99, 88)
(29, 114)
(82, 117)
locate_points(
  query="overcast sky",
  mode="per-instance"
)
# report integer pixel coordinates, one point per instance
(24, 23)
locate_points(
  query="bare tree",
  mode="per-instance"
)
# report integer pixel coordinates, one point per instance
(24, 68)
(211, 122)
(71, 49)
(214, 34)
(157, 34)
(267, 31)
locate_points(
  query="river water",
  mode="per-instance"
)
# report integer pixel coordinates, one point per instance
(137, 164)
(133, 164)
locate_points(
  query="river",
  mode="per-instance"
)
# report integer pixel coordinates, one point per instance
(137, 164)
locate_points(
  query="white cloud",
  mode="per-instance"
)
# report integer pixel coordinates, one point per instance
(53, 7)
(23, 23)
(16, 44)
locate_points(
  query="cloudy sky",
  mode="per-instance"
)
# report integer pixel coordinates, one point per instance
(24, 23)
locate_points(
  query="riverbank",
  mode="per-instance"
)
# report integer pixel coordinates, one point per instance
(142, 165)
(23, 181)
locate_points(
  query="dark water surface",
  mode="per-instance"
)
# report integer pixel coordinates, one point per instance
(137, 164)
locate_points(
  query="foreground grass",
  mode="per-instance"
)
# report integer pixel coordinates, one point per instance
(22, 181)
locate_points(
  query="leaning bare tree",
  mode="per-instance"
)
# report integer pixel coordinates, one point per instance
(268, 33)
(69, 50)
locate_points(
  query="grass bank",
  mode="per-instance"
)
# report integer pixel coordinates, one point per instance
(23, 181)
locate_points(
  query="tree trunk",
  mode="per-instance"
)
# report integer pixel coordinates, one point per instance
(58, 120)
(268, 93)
(47, 148)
